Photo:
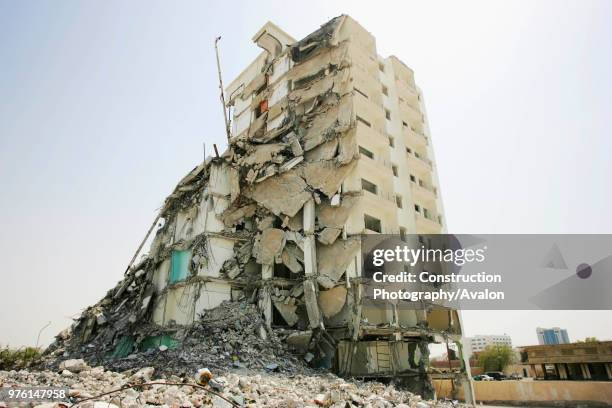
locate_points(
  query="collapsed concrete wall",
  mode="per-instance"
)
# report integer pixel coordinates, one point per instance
(265, 223)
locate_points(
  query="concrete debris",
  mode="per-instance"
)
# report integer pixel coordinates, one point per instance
(333, 260)
(328, 235)
(334, 216)
(293, 258)
(74, 365)
(325, 176)
(266, 389)
(251, 249)
(284, 194)
(288, 311)
(269, 245)
(332, 301)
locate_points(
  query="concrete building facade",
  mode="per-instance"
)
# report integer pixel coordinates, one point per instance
(574, 361)
(478, 343)
(383, 115)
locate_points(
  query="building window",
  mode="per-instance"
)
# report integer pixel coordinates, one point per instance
(381, 67)
(179, 265)
(408, 150)
(398, 201)
(412, 178)
(371, 223)
(391, 141)
(417, 208)
(365, 122)
(385, 90)
(394, 170)
(388, 114)
(404, 124)
(366, 152)
(361, 93)
(402, 233)
(440, 219)
(369, 186)
(425, 212)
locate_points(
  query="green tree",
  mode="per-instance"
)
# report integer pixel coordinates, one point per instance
(495, 358)
(591, 340)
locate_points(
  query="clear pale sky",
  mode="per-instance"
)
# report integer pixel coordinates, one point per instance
(105, 105)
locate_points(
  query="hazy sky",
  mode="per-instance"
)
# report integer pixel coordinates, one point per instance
(104, 106)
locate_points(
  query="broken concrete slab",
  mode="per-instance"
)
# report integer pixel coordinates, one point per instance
(299, 340)
(324, 151)
(288, 312)
(337, 82)
(290, 164)
(332, 301)
(258, 125)
(329, 235)
(261, 154)
(347, 147)
(269, 244)
(74, 365)
(233, 216)
(285, 193)
(328, 123)
(335, 216)
(332, 260)
(329, 59)
(325, 175)
(292, 257)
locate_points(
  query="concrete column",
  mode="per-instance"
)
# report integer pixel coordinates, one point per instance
(586, 373)
(609, 370)
(466, 380)
(267, 271)
(562, 371)
(534, 373)
(544, 371)
(310, 267)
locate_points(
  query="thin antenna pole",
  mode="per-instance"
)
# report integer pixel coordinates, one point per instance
(227, 126)
(40, 332)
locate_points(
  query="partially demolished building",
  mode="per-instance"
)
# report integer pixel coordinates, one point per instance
(328, 141)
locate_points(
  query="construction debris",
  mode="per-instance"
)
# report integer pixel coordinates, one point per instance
(231, 389)
(253, 247)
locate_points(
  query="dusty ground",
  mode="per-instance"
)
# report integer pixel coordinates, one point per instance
(246, 388)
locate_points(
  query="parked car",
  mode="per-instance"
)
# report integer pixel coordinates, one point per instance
(497, 375)
(483, 377)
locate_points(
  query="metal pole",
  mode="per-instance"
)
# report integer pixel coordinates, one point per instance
(227, 126)
(40, 332)
(143, 242)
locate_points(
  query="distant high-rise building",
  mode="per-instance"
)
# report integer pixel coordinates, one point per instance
(554, 335)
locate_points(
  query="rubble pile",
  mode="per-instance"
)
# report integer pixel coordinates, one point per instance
(261, 390)
(230, 336)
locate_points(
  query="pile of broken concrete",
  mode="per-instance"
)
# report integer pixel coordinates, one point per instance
(230, 336)
(230, 390)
